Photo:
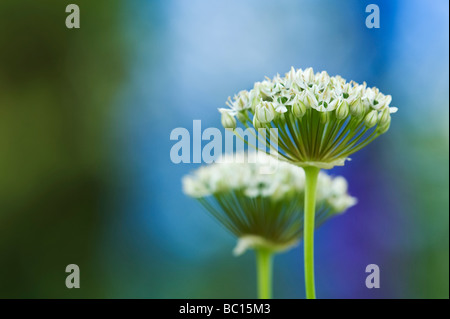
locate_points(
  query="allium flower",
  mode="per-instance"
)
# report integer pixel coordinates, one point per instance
(321, 120)
(264, 211)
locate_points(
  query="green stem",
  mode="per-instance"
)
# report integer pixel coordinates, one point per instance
(311, 175)
(264, 268)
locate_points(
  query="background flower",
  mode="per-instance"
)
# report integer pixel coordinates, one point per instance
(263, 209)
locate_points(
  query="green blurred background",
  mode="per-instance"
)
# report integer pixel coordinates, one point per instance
(85, 118)
(57, 87)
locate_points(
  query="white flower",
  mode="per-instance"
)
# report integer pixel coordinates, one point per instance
(308, 75)
(338, 197)
(393, 110)
(383, 117)
(280, 108)
(263, 209)
(309, 108)
(310, 100)
(227, 120)
(357, 108)
(240, 102)
(298, 108)
(251, 242)
(194, 188)
(371, 119)
(342, 110)
(265, 112)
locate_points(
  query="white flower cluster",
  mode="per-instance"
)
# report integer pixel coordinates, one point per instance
(242, 174)
(299, 91)
(334, 192)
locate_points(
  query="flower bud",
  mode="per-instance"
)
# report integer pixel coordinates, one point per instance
(265, 112)
(228, 121)
(371, 119)
(299, 109)
(357, 108)
(308, 75)
(257, 124)
(241, 104)
(291, 75)
(324, 117)
(384, 116)
(342, 110)
(383, 128)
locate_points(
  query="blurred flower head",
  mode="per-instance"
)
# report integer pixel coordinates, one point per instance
(321, 120)
(263, 209)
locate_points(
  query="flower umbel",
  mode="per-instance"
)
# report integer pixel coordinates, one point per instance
(263, 210)
(321, 120)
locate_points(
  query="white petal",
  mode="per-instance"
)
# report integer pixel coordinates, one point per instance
(393, 109)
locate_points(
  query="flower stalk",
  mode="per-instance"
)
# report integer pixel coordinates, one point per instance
(264, 259)
(311, 176)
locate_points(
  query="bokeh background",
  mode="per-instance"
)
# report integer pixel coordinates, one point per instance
(85, 119)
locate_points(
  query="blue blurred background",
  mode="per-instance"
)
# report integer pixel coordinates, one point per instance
(85, 119)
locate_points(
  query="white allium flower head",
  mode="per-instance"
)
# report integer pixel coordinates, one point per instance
(323, 119)
(263, 209)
